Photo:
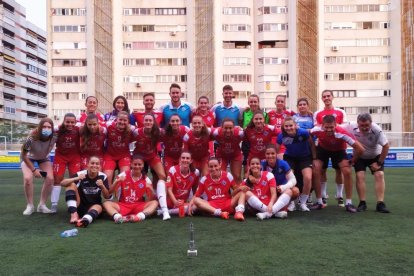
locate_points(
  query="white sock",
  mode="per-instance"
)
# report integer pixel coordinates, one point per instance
(303, 198)
(339, 190)
(162, 195)
(319, 200)
(257, 204)
(71, 203)
(348, 201)
(323, 189)
(281, 202)
(240, 208)
(88, 217)
(117, 216)
(141, 215)
(173, 211)
(54, 198)
(217, 212)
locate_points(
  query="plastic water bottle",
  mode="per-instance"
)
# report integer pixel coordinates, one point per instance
(69, 233)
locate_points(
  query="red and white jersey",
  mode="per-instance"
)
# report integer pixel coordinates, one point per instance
(276, 119)
(181, 185)
(117, 141)
(173, 145)
(144, 145)
(133, 191)
(139, 117)
(68, 142)
(339, 114)
(95, 144)
(209, 119)
(229, 146)
(216, 189)
(335, 142)
(197, 146)
(262, 187)
(82, 118)
(259, 140)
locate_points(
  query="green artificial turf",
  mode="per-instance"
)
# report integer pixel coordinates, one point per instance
(326, 242)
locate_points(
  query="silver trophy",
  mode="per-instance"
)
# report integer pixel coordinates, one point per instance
(192, 251)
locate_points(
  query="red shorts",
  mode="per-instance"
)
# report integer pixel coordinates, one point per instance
(170, 162)
(154, 160)
(199, 163)
(223, 204)
(227, 159)
(60, 162)
(131, 208)
(84, 162)
(110, 162)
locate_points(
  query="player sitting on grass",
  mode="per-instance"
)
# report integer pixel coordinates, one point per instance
(84, 191)
(133, 185)
(220, 202)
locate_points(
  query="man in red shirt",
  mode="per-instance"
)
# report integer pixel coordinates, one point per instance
(149, 102)
(340, 118)
(332, 143)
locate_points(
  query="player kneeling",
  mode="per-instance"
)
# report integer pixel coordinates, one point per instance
(133, 185)
(220, 202)
(181, 180)
(264, 192)
(84, 193)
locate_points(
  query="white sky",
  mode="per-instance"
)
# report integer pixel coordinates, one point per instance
(35, 11)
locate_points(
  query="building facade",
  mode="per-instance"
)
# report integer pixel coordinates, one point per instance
(265, 47)
(23, 73)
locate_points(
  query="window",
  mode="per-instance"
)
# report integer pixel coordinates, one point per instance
(237, 78)
(236, 11)
(69, 28)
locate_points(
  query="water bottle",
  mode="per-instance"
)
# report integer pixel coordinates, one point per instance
(69, 233)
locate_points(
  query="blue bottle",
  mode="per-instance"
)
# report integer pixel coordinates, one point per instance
(69, 233)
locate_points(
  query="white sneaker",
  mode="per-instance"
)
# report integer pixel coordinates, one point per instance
(43, 209)
(166, 216)
(29, 210)
(281, 214)
(54, 208)
(292, 206)
(303, 208)
(263, 216)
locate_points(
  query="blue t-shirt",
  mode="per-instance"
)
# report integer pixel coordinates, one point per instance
(296, 146)
(184, 111)
(222, 112)
(305, 122)
(279, 171)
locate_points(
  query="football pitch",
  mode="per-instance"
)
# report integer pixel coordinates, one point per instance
(325, 242)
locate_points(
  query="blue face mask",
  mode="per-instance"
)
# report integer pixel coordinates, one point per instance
(46, 132)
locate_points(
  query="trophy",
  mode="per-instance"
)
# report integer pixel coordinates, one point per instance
(192, 251)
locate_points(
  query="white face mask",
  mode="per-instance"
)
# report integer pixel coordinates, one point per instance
(46, 132)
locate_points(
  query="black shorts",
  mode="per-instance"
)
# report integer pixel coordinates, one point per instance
(362, 164)
(40, 161)
(336, 157)
(298, 164)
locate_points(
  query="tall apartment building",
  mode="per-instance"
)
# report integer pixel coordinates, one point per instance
(266, 47)
(23, 69)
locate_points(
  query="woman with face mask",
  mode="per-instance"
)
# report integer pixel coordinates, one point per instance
(35, 151)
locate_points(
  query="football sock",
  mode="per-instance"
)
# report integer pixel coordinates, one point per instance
(217, 212)
(54, 198)
(116, 216)
(71, 201)
(91, 215)
(240, 208)
(323, 189)
(319, 200)
(141, 215)
(348, 201)
(161, 195)
(257, 204)
(339, 190)
(281, 202)
(303, 198)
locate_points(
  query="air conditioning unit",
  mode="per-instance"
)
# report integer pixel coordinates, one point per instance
(283, 83)
(138, 84)
(57, 51)
(173, 33)
(335, 48)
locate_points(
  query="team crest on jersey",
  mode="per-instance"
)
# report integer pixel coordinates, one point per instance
(141, 185)
(223, 182)
(210, 188)
(265, 133)
(263, 183)
(191, 179)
